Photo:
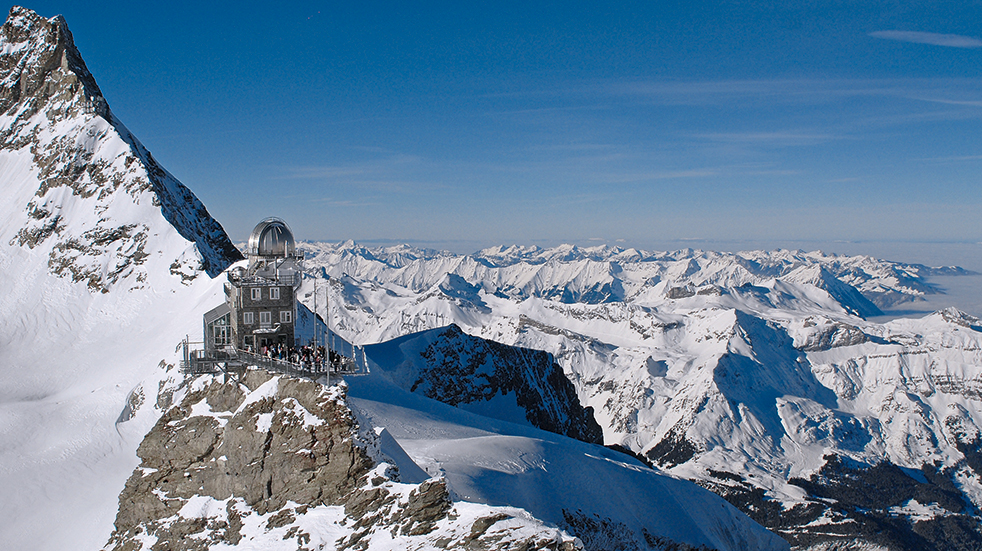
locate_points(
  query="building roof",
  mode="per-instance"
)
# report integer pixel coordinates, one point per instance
(216, 312)
(272, 238)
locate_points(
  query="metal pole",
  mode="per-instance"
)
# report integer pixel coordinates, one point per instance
(327, 323)
(315, 315)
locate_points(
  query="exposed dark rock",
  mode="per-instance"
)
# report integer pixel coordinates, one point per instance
(860, 498)
(957, 317)
(710, 290)
(674, 449)
(628, 451)
(457, 368)
(222, 455)
(427, 504)
(680, 292)
(600, 534)
(603, 534)
(753, 501)
(834, 335)
(276, 449)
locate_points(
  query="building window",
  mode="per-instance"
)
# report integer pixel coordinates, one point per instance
(274, 293)
(257, 293)
(286, 316)
(221, 335)
(248, 318)
(265, 319)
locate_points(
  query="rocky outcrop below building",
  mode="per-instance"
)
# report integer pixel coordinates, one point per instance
(282, 463)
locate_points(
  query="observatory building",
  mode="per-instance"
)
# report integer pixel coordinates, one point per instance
(261, 307)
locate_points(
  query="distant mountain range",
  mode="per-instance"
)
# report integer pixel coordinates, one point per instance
(753, 374)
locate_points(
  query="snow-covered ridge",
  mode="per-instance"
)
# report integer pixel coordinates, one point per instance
(269, 462)
(571, 274)
(80, 187)
(104, 258)
(495, 380)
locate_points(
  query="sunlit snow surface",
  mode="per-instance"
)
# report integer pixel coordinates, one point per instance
(758, 359)
(70, 354)
(501, 463)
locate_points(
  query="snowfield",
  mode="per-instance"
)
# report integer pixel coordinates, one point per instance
(561, 481)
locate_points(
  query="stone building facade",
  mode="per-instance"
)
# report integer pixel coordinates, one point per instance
(260, 306)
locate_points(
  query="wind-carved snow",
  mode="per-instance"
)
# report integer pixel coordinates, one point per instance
(743, 371)
(565, 482)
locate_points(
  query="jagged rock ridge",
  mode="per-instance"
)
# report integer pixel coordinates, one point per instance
(83, 162)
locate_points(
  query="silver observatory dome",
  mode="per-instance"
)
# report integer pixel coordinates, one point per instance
(272, 238)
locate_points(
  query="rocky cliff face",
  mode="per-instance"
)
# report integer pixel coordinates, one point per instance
(281, 463)
(455, 368)
(87, 193)
(104, 258)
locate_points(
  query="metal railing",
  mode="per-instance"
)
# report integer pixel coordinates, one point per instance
(291, 278)
(198, 361)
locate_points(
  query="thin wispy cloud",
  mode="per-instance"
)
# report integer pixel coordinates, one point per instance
(955, 159)
(628, 178)
(773, 138)
(321, 172)
(789, 91)
(970, 103)
(344, 203)
(934, 39)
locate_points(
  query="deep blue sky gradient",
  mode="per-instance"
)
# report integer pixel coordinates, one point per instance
(464, 124)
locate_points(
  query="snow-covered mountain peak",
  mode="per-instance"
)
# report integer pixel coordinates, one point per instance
(80, 191)
(40, 61)
(104, 257)
(956, 316)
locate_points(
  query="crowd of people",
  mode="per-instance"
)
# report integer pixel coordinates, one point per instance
(306, 356)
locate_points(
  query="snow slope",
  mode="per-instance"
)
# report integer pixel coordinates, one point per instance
(105, 261)
(607, 499)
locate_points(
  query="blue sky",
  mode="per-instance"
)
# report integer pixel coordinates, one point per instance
(463, 124)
